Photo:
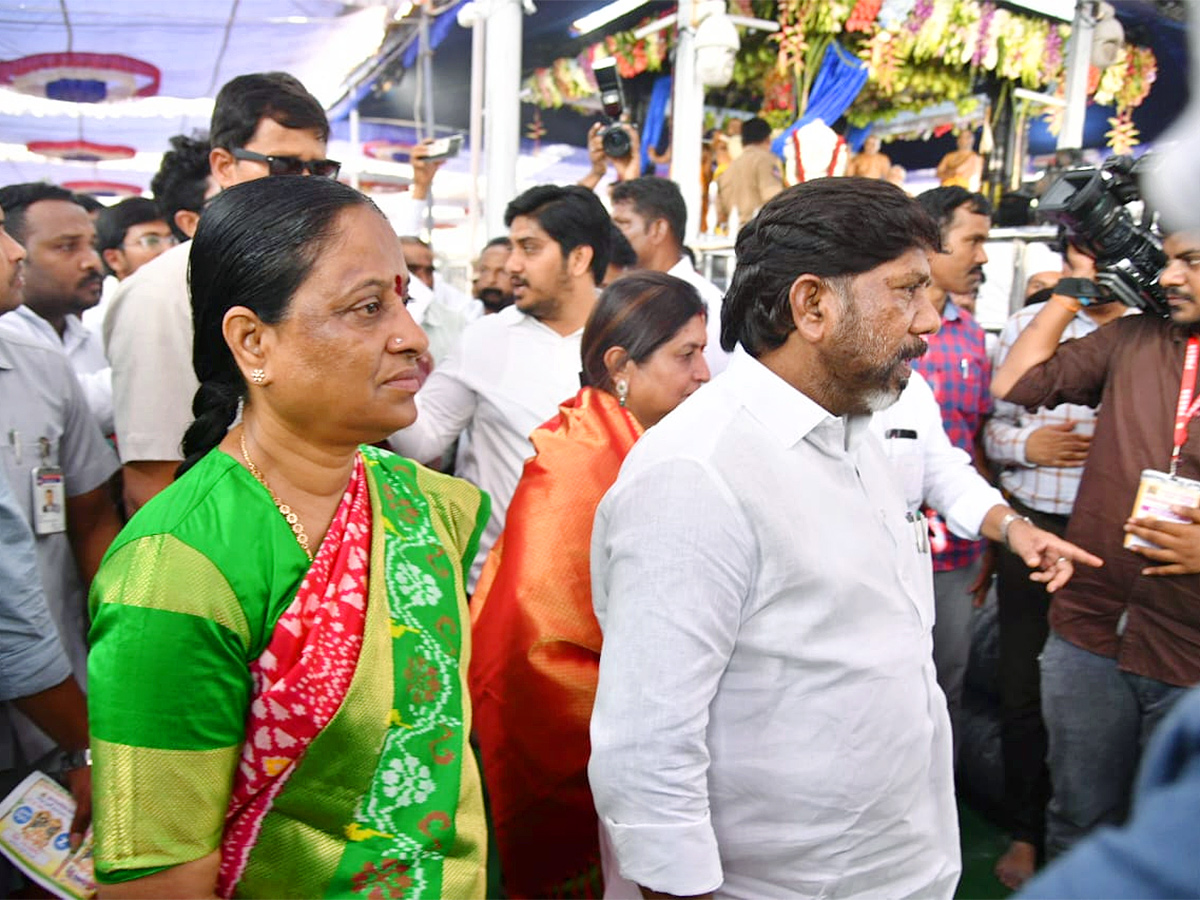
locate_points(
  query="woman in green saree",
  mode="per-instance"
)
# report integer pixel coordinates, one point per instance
(280, 639)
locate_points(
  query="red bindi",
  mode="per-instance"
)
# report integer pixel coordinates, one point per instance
(400, 285)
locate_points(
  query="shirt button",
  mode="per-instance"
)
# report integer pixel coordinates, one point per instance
(1122, 622)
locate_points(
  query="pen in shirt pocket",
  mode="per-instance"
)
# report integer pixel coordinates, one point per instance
(965, 365)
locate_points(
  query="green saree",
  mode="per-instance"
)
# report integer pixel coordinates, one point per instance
(385, 802)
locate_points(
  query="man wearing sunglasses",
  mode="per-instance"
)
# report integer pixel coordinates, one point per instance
(263, 125)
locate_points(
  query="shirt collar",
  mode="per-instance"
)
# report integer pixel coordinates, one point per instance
(6, 360)
(790, 415)
(951, 312)
(683, 268)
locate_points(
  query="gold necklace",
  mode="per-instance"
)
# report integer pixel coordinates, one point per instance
(284, 510)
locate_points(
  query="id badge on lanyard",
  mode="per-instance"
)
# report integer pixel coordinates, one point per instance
(1159, 491)
(49, 494)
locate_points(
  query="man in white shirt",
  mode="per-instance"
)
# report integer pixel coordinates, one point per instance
(650, 212)
(768, 721)
(62, 279)
(263, 124)
(512, 370)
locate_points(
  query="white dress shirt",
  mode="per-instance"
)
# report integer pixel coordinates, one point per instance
(768, 721)
(716, 358)
(84, 350)
(42, 408)
(443, 325)
(507, 377)
(930, 469)
(148, 336)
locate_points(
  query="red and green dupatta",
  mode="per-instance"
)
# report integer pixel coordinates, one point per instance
(356, 778)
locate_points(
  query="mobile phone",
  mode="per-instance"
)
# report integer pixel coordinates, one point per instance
(444, 148)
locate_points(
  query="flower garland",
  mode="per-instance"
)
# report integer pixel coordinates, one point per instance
(920, 52)
(569, 80)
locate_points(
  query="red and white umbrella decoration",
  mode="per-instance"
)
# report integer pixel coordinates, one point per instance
(81, 77)
(80, 151)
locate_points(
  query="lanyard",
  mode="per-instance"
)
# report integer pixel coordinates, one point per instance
(1186, 408)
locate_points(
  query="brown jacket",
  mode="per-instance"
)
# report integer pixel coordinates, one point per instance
(1131, 368)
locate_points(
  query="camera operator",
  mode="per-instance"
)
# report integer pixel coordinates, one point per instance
(627, 166)
(1125, 639)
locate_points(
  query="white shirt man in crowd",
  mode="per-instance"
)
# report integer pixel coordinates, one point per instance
(768, 720)
(263, 124)
(35, 673)
(513, 369)
(653, 217)
(51, 444)
(62, 279)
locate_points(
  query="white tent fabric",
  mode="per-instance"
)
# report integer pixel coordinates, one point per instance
(196, 45)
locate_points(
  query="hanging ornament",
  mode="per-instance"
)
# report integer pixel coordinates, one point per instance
(80, 151)
(536, 130)
(81, 77)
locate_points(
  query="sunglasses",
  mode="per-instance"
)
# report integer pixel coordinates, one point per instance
(291, 165)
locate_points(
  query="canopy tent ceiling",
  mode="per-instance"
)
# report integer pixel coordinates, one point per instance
(196, 47)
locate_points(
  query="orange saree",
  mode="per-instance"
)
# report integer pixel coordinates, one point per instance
(537, 653)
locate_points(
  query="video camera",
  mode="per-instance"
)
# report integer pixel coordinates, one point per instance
(1091, 204)
(614, 137)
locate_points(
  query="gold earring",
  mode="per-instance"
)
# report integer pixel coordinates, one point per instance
(258, 376)
(622, 390)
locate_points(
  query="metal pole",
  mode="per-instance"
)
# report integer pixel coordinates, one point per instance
(356, 143)
(478, 43)
(687, 119)
(502, 124)
(1079, 57)
(426, 118)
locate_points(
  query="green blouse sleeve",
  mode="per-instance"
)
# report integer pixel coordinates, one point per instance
(169, 689)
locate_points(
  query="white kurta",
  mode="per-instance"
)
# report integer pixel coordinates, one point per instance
(768, 721)
(507, 377)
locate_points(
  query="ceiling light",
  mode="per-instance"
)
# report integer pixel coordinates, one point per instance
(604, 15)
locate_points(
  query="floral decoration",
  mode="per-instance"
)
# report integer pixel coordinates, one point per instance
(919, 52)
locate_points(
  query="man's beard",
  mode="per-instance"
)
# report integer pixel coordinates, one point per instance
(862, 389)
(494, 299)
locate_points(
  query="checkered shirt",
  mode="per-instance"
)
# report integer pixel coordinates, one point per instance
(1048, 489)
(959, 371)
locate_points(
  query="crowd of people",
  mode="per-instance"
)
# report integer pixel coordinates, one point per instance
(338, 574)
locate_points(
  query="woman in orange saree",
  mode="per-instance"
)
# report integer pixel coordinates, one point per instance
(537, 643)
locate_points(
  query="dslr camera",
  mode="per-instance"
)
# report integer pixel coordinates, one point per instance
(1093, 206)
(614, 137)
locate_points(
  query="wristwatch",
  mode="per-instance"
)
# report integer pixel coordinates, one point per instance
(77, 759)
(1007, 522)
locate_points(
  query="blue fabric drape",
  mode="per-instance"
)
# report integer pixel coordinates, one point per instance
(656, 116)
(856, 137)
(839, 80)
